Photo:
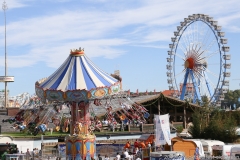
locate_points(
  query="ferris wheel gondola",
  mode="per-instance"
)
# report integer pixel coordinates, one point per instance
(198, 61)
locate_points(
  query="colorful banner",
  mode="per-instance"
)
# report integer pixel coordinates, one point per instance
(162, 129)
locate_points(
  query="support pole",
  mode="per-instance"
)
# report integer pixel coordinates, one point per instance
(4, 7)
(151, 115)
(159, 107)
(175, 113)
(184, 116)
(81, 135)
(184, 84)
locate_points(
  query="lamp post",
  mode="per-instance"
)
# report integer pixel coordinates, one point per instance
(5, 7)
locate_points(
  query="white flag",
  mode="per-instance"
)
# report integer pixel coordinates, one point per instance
(162, 131)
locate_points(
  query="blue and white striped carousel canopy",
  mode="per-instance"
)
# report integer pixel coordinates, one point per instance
(77, 72)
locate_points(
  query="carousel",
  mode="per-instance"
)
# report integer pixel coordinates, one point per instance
(83, 87)
(79, 99)
(77, 82)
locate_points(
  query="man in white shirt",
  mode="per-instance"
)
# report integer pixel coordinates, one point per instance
(149, 145)
(126, 154)
(118, 156)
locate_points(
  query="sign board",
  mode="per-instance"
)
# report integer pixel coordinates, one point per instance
(6, 78)
(162, 129)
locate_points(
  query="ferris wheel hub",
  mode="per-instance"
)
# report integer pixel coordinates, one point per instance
(189, 63)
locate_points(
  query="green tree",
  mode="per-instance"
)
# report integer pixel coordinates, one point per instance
(231, 98)
(209, 122)
(195, 130)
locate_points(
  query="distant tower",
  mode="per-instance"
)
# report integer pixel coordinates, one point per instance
(5, 78)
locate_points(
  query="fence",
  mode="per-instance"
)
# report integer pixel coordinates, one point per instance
(109, 150)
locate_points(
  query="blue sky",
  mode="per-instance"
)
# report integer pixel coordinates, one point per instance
(131, 36)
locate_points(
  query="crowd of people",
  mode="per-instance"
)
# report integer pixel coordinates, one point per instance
(132, 151)
(125, 155)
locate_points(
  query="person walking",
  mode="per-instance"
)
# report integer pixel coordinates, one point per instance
(153, 145)
(122, 156)
(28, 155)
(196, 154)
(99, 157)
(135, 144)
(126, 153)
(118, 157)
(149, 148)
(136, 151)
(106, 157)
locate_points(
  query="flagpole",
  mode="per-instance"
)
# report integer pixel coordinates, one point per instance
(4, 7)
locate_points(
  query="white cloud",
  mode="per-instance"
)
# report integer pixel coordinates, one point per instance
(54, 55)
(102, 33)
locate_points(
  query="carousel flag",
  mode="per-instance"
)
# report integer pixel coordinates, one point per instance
(162, 129)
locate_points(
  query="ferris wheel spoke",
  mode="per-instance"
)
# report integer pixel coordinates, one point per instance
(198, 73)
(182, 48)
(208, 71)
(195, 32)
(201, 32)
(192, 34)
(187, 39)
(188, 35)
(210, 64)
(206, 38)
(186, 42)
(202, 86)
(210, 45)
(179, 74)
(181, 57)
(212, 54)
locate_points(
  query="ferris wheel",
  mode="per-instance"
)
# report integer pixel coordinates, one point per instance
(198, 63)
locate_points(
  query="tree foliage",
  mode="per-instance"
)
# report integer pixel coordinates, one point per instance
(214, 124)
(231, 98)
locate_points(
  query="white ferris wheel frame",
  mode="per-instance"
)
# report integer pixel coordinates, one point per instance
(219, 89)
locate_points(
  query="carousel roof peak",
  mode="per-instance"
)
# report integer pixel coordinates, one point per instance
(77, 52)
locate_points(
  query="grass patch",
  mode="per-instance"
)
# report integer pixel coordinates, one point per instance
(54, 134)
(26, 135)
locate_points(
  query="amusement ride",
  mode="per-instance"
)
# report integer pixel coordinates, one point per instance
(77, 98)
(198, 61)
